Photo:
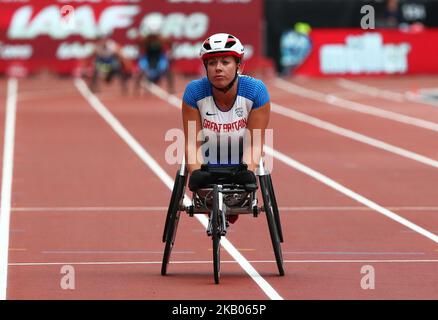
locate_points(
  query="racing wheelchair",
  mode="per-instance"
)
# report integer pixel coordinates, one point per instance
(219, 200)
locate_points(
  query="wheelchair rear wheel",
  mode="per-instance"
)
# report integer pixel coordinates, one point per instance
(272, 224)
(275, 208)
(177, 195)
(172, 219)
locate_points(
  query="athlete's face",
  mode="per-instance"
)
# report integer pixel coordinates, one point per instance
(221, 70)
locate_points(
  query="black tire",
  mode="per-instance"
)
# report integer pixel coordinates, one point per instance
(216, 235)
(173, 225)
(177, 194)
(172, 219)
(275, 208)
(264, 188)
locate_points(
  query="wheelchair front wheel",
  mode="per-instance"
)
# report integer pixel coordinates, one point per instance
(216, 234)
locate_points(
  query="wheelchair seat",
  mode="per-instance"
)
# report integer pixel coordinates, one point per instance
(237, 176)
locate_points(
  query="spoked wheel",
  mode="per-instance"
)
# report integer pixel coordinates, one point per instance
(273, 231)
(172, 219)
(178, 185)
(275, 207)
(216, 234)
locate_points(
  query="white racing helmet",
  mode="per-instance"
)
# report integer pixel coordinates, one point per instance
(221, 44)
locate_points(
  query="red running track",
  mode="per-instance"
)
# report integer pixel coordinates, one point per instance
(82, 197)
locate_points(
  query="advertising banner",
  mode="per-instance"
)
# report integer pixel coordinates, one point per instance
(360, 52)
(56, 34)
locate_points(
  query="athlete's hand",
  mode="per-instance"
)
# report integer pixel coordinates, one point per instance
(193, 167)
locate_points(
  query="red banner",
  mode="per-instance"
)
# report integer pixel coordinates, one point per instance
(359, 52)
(56, 34)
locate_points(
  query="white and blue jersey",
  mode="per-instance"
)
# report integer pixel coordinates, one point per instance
(228, 125)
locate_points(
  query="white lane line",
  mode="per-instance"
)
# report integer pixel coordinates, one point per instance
(355, 106)
(168, 181)
(371, 91)
(163, 208)
(111, 252)
(356, 208)
(349, 193)
(364, 261)
(287, 112)
(383, 93)
(88, 209)
(357, 253)
(92, 263)
(6, 192)
(164, 95)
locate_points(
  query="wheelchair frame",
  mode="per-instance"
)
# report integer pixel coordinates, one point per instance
(212, 200)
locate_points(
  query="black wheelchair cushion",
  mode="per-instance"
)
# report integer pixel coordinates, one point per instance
(199, 179)
(233, 174)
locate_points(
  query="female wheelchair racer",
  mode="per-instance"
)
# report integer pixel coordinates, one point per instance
(225, 106)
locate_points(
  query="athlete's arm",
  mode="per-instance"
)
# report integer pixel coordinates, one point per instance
(258, 119)
(192, 118)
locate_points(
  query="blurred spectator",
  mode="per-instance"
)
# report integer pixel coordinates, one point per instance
(155, 57)
(407, 16)
(108, 62)
(392, 16)
(295, 46)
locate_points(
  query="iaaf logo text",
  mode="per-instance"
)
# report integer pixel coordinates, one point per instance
(15, 52)
(25, 24)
